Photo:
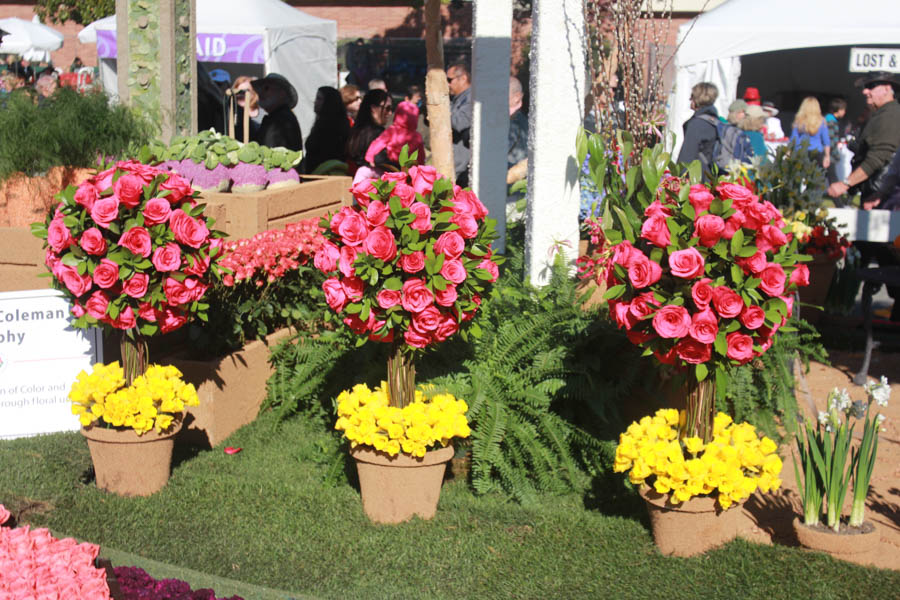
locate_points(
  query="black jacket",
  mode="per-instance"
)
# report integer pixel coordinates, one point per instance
(280, 128)
(699, 136)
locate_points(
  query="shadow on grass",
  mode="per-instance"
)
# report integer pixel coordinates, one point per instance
(774, 513)
(609, 494)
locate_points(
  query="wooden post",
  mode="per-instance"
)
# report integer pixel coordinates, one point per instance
(437, 93)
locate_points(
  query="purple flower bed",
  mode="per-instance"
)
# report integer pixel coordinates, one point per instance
(136, 584)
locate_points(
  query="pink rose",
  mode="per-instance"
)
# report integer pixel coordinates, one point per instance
(427, 320)
(326, 257)
(413, 262)
(672, 321)
(465, 201)
(177, 292)
(757, 216)
(377, 213)
(624, 254)
(357, 325)
(167, 258)
(704, 326)
(136, 285)
(387, 298)
(686, 264)
(702, 293)
(406, 193)
(692, 351)
(422, 224)
(453, 271)
(58, 235)
(753, 317)
(52, 260)
(446, 296)
(188, 230)
(361, 191)
(172, 319)
(416, 339)
(416, 297)
(179, 188)
(643, 305)
(657, 209)
(105, 211)
(386, 336)
(621, 312)
(740, 347)
(103, 180)
(86, 195)
(394, 176)
(137, 239)
(335, 296)
(468, 226)
(734, 222)
(772, 279)
(4, 514)
(106, 274)
(97, 305)
(423, 178)
(93, 242)
(656, 231)
(347, 258)
(727, 302)
(789, 301)
(75, 283)
(700, 198)
(381, 244)
(353, 229)
(447, 327)
(450, 243)
(800, 275)
(129, 189)
(491, 267)
(148, 313)
(709, 229)
(668, 358)
(739, 195)
(353, 287)
(643, 272)
(156, 211)
(125, 319)
(195, 265)
(145, 172)
(754, 264)
(77, 311)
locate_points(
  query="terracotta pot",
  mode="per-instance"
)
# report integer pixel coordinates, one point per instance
(845, 544)
(821, 272)
(129, 464)
(690, 528)
(395, 488)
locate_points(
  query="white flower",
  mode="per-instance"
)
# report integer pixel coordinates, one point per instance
(880, 391)
(839, 400)
(880, 419)
(823, 417)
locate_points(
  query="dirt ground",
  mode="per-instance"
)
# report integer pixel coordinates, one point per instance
(768, 517)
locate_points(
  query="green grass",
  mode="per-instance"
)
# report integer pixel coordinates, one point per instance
(272, 516)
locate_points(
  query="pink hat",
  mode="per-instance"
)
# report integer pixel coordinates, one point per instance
(751, 96)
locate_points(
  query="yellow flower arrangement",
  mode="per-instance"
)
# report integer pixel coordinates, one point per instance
(736, 462)
(366, 417)
(155, 400)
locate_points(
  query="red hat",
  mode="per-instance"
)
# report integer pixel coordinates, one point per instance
(751, 96)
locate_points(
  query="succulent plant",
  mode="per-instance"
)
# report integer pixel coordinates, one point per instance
(281, 178)
(246, 177)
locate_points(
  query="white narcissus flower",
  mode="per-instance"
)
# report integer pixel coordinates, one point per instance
(880, 391)
(823, 417)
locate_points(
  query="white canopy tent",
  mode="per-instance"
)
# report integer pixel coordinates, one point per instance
(711, 45)
(284, 40)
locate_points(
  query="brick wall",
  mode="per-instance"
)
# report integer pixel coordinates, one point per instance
(358, 20)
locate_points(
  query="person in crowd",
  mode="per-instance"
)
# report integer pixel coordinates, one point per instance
(810, 128)
(699, 132)
(328, 138)
(772, 130)
(837, 110)
(76, 65)
(752, 124)
(352, 98)
(373, 115)
(460, 84)
(279, 127)
(377, 84)
(518, 125)
(384, 151)
(414, 95)
(752, 97)
(246, 100)
(737, 111)
(877, 142)
(45, 86)
(889, 198)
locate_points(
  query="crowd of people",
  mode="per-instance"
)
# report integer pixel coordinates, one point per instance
(40, 77)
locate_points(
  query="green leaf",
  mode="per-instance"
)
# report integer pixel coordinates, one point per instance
(614, 292)
(737, 242)
(737, 274)
(701, 371)
(393, 283)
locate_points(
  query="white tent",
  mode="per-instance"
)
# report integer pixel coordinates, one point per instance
(711, 45)
(284, 40)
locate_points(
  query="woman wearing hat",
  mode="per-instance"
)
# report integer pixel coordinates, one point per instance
(279, 127)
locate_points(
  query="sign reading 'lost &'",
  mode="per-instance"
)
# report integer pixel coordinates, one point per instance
(40, 355)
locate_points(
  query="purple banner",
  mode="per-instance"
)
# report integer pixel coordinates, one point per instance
(211, 47)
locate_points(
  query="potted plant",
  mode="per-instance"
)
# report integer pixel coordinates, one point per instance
(406, 265)
(829, 461)
(818, 237)
(132, 251)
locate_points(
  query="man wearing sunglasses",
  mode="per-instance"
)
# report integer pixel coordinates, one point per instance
(460, 84)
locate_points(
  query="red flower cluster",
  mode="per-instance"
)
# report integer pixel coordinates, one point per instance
(412, 257)
(827, 241)
(267, 256)
(131, 249)
(707, 280)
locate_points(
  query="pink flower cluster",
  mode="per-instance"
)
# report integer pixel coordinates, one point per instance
(704, 295)
(412, 257)
(131, 249)
(267, 256)
(34, 564)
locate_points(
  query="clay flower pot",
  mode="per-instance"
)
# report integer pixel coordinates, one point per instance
(821, 272)
(690, 528)
(395, 488)
(845, 544)
(129, 464)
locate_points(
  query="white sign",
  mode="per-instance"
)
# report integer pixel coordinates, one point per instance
(863, 60)
(40, 355)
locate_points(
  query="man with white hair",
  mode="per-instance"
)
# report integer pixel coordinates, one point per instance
(518, 125)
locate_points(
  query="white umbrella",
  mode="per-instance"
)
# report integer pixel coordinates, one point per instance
(88, 35)
(25, 35)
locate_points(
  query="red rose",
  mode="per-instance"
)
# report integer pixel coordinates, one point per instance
(177, 292)
(668, 358)
(450, 244)
(643, 272)
(800, 275)
(426, 320)
(447, 327)
(423, 178)
(656, 231)
(156, 211)
(468, 316)
(105, 211)
(422, 224)
(756, 214)
(326, 257)
(381, 244)
(106, 274)
(335, 296)
(413, 262)
(195, 265)
(58, 235)
(453, 271)
(171, 320)
(148, 313)
(361, 190)
(672, 321)
(643, 305)
(353, 229)
(353, 287)
(657, 209)
(136, 285)
(773, 235)
(179, 188)
(709, 229)
(700, 198)
(692, 351)
(129, 189)
(624, 254)
(686, 264)
(188, 230)
(357, 325)
(734, 222)
(386, 337)
(491, 267)
(377, 213)
(406, 193)
(387, 298)
(75, 283)
(446, 296)
(772, 279)
(415, 339)
(740, 347)
(622, 314)
(739, 195)
(727, 302)
(415, 297)
(753, 317)
(145, 172)
(137, 239)
(125, 319)
(51, 259)
(754, 264)
(97, 304)
(704, 326)
(789, 301)
(468, 226)
(702, 293)
(93, 242)
(167, 258)
(86, 195)
(347, 258)
(639, 337)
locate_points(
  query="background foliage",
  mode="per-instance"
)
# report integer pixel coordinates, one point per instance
(82, 12)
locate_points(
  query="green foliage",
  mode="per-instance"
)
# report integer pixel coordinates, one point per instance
(82, 12)
(793, 181)
(212, 149)
(67, 129)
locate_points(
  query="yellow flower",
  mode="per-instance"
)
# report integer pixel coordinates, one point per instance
(693, 444)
